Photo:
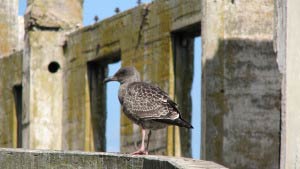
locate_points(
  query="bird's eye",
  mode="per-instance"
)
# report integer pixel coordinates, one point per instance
(121, 73)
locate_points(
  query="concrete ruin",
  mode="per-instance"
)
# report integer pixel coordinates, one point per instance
(52, 95)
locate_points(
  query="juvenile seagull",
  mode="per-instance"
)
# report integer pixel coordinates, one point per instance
(146, 105)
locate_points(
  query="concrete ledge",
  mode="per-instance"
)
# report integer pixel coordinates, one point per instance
(33, 159)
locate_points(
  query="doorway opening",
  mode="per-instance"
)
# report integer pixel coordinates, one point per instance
(113, 111)
(17, 90)
(187, 70)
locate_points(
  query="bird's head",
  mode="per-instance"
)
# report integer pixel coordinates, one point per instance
(125, 75)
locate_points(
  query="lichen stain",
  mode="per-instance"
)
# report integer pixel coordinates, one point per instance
(11, 75)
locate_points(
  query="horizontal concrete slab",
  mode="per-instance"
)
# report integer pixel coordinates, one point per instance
(21, 158)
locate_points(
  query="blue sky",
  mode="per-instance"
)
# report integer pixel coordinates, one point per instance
(104, 9)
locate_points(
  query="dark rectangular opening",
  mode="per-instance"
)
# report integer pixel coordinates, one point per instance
(96, 74)
(187, 68)
(17, 90)
(97, 71)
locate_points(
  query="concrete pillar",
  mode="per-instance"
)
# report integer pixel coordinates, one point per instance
(8, 26)
(241, 84)
(46, 26)
(288, 53)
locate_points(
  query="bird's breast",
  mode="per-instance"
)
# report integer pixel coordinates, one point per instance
(121, 93)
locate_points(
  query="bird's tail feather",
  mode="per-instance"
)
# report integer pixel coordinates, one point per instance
(178, 122)
(183, 123)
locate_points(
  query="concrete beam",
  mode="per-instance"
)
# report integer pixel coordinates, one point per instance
(38, 159)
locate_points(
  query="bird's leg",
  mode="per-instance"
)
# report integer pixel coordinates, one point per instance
(143, 140)
(149, 135)
(142, 150)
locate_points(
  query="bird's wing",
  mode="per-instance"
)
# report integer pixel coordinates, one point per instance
(147, 101)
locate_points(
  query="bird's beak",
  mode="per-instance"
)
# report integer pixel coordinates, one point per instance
(110, 79)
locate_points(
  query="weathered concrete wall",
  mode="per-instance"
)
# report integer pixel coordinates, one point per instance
(46, 25)
(11, 76)
(241, 80)
(241, 84)
(8, 26)
(288, 53)
(35, 159)
(139, 37)
(11, 44)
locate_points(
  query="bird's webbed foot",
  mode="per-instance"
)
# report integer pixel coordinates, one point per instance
(140, 152)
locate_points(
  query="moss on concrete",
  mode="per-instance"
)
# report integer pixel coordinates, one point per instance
(10, 75)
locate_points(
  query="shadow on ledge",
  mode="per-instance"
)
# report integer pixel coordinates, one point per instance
(33, 159)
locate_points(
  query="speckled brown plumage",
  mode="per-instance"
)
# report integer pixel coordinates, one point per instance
(145, 104)
(148, 106)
